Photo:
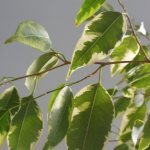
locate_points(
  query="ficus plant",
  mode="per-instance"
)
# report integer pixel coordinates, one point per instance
(85, 119)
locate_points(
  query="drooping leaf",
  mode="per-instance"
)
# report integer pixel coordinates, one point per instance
(54, 96)
(125, 51)
(32, 34)
(9, 99)
(91, 120)
(4, 125)
(59, 116)
(95, 44)
(26, 126)
(42, 63)
(88, 9)
(121, 105)
(137, 130)
(145, 140)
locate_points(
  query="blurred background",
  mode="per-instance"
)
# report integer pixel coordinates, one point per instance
(58, 17)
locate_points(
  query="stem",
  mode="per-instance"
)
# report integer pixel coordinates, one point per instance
(57, 55)
(35, 74)
(73, 83)
(132, 28)
(67, 63)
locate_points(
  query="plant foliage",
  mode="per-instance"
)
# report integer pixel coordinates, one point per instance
(87, 119)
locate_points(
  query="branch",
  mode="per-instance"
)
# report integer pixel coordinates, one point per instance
(132, 28)
(35, 74)
(67, 63)
(73, 83)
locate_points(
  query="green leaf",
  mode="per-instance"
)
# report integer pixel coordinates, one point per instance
(121, 105)
(4, 125)
(59, 116)
(88, 9)
(54, 96)
(145, 140)
(95, 44)
(9, 99)
(122, 147)
(132, 114)
(91, 120)
(137, 130)
(26, 126)
(142, 82)
(42, 63)
(32, 34)
(106, 7)
(125, 51)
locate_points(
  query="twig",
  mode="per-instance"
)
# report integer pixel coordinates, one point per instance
(57, 55)
(132, 28)
(67, 63)
(35, 74)
(70, 84)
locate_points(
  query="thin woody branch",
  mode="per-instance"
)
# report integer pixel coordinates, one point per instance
(132, 28)
(67, 63)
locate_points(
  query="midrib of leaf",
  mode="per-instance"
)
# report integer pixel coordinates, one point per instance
(98, 39)
(89, 121)
(22, 124)
(16, 36)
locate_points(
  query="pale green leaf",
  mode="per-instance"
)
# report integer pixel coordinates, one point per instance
(88, 9)
(26, 126)
(42, 63)
(9, 99)
(145, 140)
(91, 120)
(95, 44)
(59, 116)
(54, 96)
(137, 130)
(32, 34)
(125, 51)
(4, 125)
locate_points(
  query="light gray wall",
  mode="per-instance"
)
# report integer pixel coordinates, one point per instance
(57, 16)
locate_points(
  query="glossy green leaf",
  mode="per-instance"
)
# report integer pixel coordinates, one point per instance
(26, 126)
(9, 99)
(132, 114)
(121, 105)
(136, 131)
(145, 140)
(42, 63)
(95, 44)
(125, 51)
(4, 125)
(32, 34)
(91, 120)
(88, 9)
(59, 116)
